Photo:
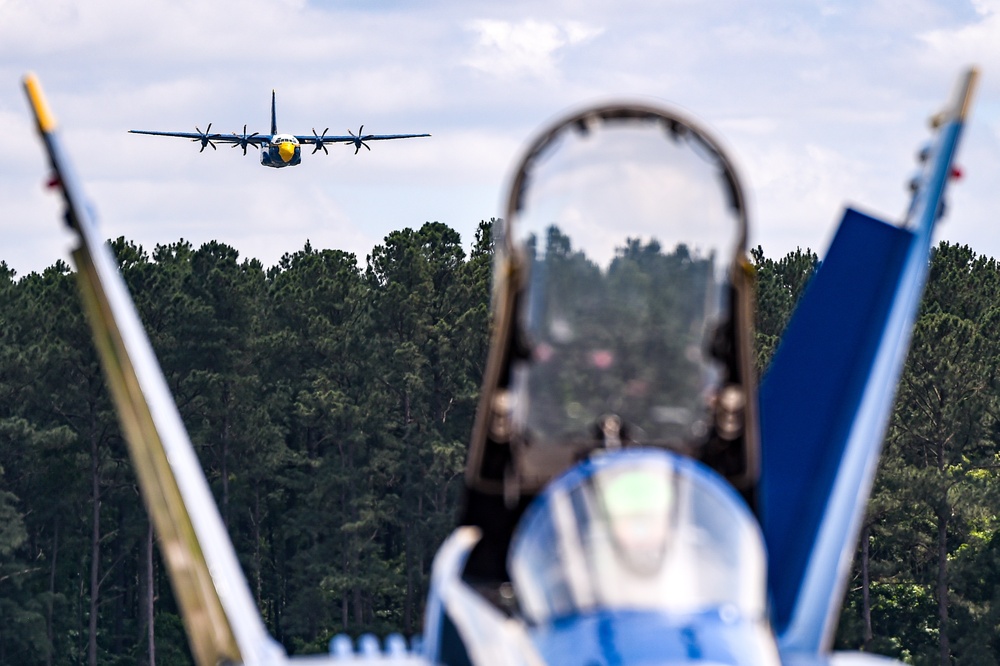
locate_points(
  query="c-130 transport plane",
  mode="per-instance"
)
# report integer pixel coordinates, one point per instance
(280, 150)
(631, 497)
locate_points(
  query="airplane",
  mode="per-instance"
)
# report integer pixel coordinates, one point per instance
(279, 150)
(621, 506)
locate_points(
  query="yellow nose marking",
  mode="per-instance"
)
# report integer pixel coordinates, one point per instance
(287, 151)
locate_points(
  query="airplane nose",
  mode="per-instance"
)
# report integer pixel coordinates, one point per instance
(287, 151)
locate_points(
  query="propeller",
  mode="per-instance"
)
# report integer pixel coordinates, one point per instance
(206, 138)
(359, 139)
(244, 140)
(320, 141)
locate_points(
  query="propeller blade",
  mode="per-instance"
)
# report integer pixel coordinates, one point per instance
(359, 139)
(320, 142)
(205, 138)
(245, 139)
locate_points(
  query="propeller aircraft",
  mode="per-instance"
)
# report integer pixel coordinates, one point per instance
(631, 497)
(279, 150)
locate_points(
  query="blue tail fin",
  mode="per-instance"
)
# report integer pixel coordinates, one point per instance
(274, 117)
(826, 399)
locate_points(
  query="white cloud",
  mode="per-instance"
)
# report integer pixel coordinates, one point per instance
(977, 42)
(770, 79)
(986, 7)
(526, 48)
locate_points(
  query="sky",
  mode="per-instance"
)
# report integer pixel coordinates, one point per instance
(819, 103)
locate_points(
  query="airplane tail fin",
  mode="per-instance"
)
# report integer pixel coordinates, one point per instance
(222, 620)
(274, 116)
(826, 399)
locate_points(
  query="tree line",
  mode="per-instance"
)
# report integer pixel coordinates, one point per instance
(330, 403)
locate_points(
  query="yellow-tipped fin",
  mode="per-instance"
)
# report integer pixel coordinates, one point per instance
(39, 105)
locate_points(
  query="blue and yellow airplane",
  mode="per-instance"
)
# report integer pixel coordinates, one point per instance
(280, 150)
(631, 496)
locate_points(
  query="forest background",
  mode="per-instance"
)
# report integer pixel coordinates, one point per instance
(331, 404)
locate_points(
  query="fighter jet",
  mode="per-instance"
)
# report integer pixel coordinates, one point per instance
(631, 496)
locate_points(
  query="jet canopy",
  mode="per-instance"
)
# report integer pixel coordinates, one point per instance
(616, 266)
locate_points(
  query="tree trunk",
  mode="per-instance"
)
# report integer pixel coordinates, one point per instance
(224, 462)
(408, 600)
(122, 598)
(358, 603)
(942, 589)
(257, 559)
(95, 546)
(943, 514)
(866, 604)
(52, 592)
(149, 599)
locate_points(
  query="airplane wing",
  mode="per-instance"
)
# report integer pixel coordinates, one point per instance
(827, 397)
(351, 139)
(359, 140)
(221, 618)
(210, 138)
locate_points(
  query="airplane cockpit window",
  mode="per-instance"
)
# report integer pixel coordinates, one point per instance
(626, 235)
(628, 244)
(646, 530)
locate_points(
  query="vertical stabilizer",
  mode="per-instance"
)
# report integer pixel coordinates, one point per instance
(826, 400)
(220, 615)
(274, 117)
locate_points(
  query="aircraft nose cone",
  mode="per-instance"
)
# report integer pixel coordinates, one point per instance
(287, 151)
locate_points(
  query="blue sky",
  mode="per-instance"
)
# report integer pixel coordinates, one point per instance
(820, 104)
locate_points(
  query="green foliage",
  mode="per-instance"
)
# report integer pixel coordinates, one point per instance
(780, 283)
(331, 404)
